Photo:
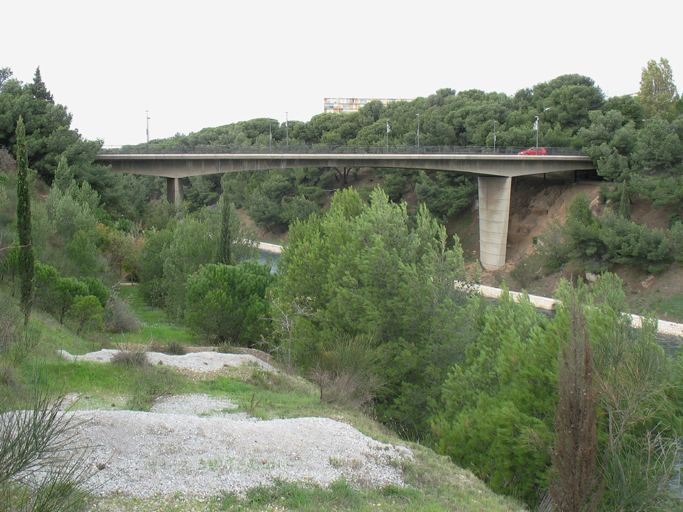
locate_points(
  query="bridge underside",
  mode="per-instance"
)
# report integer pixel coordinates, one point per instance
(494, 172)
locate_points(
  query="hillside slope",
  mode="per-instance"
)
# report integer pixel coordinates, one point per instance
(537, 203)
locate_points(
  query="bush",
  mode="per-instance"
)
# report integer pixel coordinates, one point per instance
(676, 237)
(97, 288)
(43, 468)
(119, 317)
(528, 270)
(345, 373)
(46, 279)
(553, 248)
(131, 357)
(149, 383)
(634, 244)
(227, 303)
(172, 348)
(86, 310)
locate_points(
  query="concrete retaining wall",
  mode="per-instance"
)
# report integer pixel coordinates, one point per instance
(663, 327)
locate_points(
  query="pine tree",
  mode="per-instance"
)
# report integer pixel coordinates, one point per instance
(38, 88)
(24, 229)
(64, 175)
(657, 89)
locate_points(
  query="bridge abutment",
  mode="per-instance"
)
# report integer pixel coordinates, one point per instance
(174, 190)
(494, 216)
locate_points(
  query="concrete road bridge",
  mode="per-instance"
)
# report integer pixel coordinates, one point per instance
(494, 170)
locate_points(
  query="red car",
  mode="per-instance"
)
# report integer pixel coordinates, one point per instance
(534, 151)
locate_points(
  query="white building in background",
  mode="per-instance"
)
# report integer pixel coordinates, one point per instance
(339, 105)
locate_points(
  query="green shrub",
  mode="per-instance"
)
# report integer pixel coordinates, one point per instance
(345, 372)
(86, 310)
(131, 357)
(149, 383)
(676, 237)
(174, 348)
(43, 466)
(227, 303)
(634, 244)
(528, 270)
(97, 288)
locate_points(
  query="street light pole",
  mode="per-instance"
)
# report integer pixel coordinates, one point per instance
(287, 126)
(536, 126)
(270, 131)
(418, 133)
(388, 130)
(147, 115)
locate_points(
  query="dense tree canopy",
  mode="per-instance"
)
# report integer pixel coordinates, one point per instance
(49, 139)
(370, 271)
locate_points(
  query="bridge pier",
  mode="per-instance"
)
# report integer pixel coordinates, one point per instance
(494, 216)
(174, 190)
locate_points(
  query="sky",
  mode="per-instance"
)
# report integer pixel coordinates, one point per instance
(200, 64)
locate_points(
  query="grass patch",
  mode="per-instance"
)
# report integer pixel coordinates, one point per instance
(149, 384)
(672, 307)
(261, 395)
(107, 383)
(155, 327)
(55, 336)
(297, 496)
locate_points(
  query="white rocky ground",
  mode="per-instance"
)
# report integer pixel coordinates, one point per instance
(193, 444)
(195, 361)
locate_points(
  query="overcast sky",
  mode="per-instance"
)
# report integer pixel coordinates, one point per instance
(200, 63)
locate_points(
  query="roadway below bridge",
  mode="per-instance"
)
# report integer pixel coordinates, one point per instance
(494, 173)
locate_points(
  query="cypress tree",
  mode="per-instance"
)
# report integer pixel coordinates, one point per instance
(226, 235)
(574, 485)
(624, 203)
(26, 256)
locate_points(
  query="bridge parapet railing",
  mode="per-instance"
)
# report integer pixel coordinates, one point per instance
(327, 149)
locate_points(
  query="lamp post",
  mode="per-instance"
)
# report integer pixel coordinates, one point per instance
(147, 115)
(270, 132)
(418, 132)
(287, 126)
(388, 130)
(536, 127)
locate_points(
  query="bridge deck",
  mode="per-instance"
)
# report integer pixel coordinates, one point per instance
(182, 165)
(495, 173)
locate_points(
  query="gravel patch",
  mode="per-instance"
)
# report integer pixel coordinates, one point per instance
(194, 445)
(195, 361)
(199, 405)
(144, 454)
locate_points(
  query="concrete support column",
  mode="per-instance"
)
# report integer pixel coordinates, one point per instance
(174, 190)
(494, 216)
